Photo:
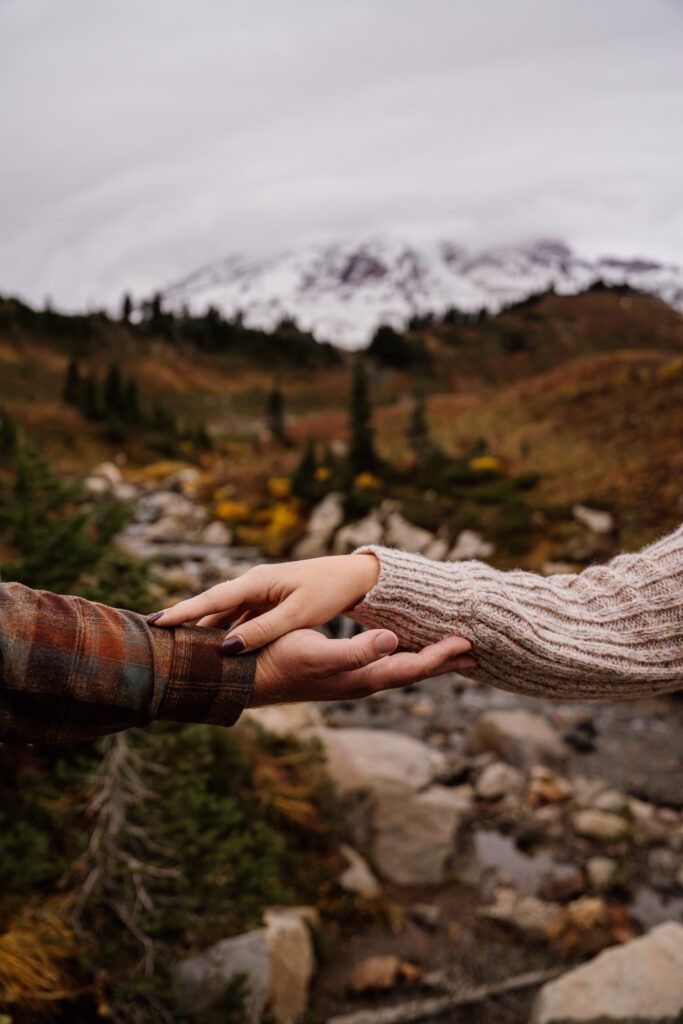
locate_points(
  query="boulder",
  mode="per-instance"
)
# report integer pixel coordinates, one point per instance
(603, 826)
(437, 550)
(371, 759)
(640, 982)
(497, 780)
(470, 544)
(402, 534)
(366, 531)
(292, 961)
(417, 837)
(358, 877)
(202, 981)
(325, 518)
(521, 738)
(284, 719)
(596, 521)
(521, 912)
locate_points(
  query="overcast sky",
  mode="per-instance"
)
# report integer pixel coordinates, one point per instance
(142, 138)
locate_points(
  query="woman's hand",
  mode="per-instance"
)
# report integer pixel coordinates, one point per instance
(271, 600)
(305, 665)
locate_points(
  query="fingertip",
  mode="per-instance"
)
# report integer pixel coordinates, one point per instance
(155, 617)
(233, 645)
(385, 642)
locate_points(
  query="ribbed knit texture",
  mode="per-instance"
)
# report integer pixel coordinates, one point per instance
(612, 631)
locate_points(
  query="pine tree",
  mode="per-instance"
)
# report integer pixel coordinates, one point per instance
(276, 413)
(71, 392)
(113, 392)
(362, 455)
(126, 308)
(90, 398)
(418, 430)
(303, 477)
(131, 402)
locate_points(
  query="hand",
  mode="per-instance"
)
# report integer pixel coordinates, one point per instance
(305, 665)
(277, 599)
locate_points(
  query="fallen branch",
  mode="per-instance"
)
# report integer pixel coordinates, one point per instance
(432, 1006)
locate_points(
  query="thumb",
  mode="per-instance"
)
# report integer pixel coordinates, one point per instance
(357, 652)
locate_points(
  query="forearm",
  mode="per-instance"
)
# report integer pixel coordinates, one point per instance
(610, 631)
(72, 669)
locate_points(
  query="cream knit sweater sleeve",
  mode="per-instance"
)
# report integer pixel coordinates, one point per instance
(612, 631)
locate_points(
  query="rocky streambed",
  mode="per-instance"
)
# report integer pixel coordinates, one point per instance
(495, 835)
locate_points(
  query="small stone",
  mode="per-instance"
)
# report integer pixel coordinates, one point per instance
(406, 536)
(366, 531)
(497, 780)
(437, 550)
(596, 521)
(470, 544)
(216, 534)
(423, 707)
(604, 826)
(611, 800)
(586, 790)
(602, 873)
(661, 867)
(358, 877)
(564, 882)
(426, 914)
(582, 927)
(521, 738)
(641, 981)
(521, 912)
(377, 973)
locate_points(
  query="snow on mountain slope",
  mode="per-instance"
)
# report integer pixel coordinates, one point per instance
(342, 292)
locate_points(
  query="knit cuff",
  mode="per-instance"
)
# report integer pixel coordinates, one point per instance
(419, 600)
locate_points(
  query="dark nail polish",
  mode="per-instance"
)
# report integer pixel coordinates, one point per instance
(233, 645)
(153, 618)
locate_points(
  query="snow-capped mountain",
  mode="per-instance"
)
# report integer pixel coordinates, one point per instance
(342, 292)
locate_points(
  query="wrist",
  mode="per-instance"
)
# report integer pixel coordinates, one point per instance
(367, 573)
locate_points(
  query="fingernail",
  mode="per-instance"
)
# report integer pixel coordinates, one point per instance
(385, 643)
(232, 645)
(153, 618)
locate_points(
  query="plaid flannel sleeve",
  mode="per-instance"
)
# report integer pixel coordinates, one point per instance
(72, 669)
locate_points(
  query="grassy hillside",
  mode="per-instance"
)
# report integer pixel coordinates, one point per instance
(583, 391)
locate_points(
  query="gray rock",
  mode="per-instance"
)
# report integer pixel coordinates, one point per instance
(418, 836)
(520, 738)
(369, 759)
(596, 521)
(497, 780)
(640, 982)
(470, 544)
(202, 981)
(521, 912)
(405, 535)
(358, 877)
(426, 914)
(611, 800)
(355, 535)
(216, 534)
(437, 550)
(325, 518)
(284, 719)
(661, 867)
(603, 826)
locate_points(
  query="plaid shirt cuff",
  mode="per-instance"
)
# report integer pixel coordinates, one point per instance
(193, 683)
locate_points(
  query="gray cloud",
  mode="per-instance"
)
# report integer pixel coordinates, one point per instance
(142, 139)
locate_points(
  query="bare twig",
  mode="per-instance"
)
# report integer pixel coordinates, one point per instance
(432, 1006)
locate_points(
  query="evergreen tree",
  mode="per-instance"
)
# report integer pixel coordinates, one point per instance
(418, 430)
(71, 392)
(131, 402)
(126, 308)
(276, 413)
(362, 455)
(202, 438)
(90, 398)
(304, 484)
(113, 391)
